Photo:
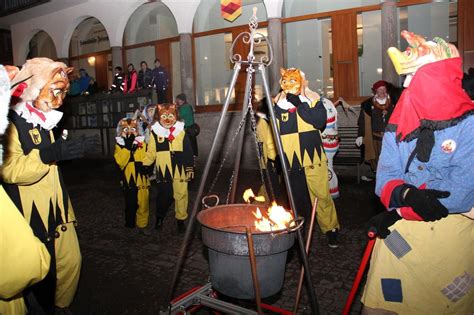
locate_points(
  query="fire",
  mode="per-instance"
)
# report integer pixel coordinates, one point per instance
(249, 196)
(276, 218)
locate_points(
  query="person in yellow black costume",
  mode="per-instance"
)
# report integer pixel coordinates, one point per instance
(32, 179)
(171, 151)
(301, 117)
(130, 151)
(24, 258)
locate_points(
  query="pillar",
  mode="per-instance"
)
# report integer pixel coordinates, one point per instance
(275, 37)
(186, 60)
(117, 58)
(389, 39)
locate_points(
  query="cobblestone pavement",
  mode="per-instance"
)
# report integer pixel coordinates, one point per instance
(125, 272)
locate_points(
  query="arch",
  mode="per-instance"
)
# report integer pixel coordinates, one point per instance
(23, 46)
(150, 21)
(69, 31)
(45, 46)
(274, 8)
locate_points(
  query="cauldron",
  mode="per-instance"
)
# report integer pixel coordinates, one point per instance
(224, 233)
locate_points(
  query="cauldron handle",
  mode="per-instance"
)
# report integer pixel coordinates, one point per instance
(204, 199)
(299, 221)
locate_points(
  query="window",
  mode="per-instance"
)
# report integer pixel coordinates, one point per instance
(89, 37)
(308, 46)
(213, 68)
(41, 45)
(369, 42)
(303, 7)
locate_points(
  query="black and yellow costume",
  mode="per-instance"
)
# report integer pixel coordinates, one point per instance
(38, 191)
(25, 260)
(173, 156)
(135, 183)
(300, 128)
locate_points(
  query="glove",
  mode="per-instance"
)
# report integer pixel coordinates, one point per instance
(189, 173)
(294, 99)
(424, 202)
(129, 142)
(62, 150)
(382, 221)
(359, 141)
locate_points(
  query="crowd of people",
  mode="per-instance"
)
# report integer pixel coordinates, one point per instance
(419, 144)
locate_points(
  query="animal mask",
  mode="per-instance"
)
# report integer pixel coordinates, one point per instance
(46, 83)
(128, 127)
(420, 52)
(292, 80)
(166, 115)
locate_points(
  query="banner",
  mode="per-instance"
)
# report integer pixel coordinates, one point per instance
(231, 9)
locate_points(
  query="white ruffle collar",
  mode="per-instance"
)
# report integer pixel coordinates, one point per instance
(284, 104)
(46, 120)
(164, 132)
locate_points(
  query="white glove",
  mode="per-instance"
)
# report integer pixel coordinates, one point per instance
(359, 141)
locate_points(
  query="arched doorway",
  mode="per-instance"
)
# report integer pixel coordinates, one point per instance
(152, 33)
(89, 49)
(41, 45)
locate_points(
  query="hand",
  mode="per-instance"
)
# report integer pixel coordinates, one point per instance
(382, 221)
(359, 141)
(189, 173)
(129, 142)
(62, 150)
(294, 99)
(425, 203)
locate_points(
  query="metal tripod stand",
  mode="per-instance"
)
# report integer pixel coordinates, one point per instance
(248, 38)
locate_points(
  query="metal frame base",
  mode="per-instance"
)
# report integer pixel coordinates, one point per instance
(205, 296)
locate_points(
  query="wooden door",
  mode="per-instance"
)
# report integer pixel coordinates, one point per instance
(163, 52)
(345, 62)
(101, 68)
(465, 32)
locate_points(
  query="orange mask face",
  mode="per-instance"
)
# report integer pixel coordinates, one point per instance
(54, 91)
(166, 114)
(291, 81)
(128, 127)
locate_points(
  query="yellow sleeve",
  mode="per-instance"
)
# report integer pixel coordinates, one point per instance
(265, 135)
(150, 155)
(121, 156)
(18, 168)
(24, 260)
(140, 153)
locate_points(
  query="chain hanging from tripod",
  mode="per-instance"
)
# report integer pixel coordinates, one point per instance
(250, 39)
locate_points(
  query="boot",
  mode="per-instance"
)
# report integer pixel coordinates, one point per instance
(159, 223)
(181, 226)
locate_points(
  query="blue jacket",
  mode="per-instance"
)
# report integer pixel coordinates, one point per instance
(160, 78)
(450, 168)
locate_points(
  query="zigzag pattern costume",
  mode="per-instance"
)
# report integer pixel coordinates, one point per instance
(37, 189)
(171, 151)
(301, 139)
(135, 182)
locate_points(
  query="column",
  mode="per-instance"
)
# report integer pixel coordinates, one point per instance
(275, 36)
(117, 58)
(389, 39)
(186, 60)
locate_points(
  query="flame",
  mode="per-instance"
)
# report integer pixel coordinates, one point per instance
(276, 218)
(250, 197)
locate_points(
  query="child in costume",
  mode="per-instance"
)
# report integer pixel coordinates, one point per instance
(425, 264)
(170, 149)
(301, 117)
(32, 178)
(24, 258)
(130, 150)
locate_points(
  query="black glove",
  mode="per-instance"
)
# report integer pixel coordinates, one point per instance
(129, 142)
(382, 221)
(425, 202)
(294, 99)
(62, 150)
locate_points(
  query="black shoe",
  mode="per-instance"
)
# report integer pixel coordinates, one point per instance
(159, 223)
(332, 238)
(181, 226)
